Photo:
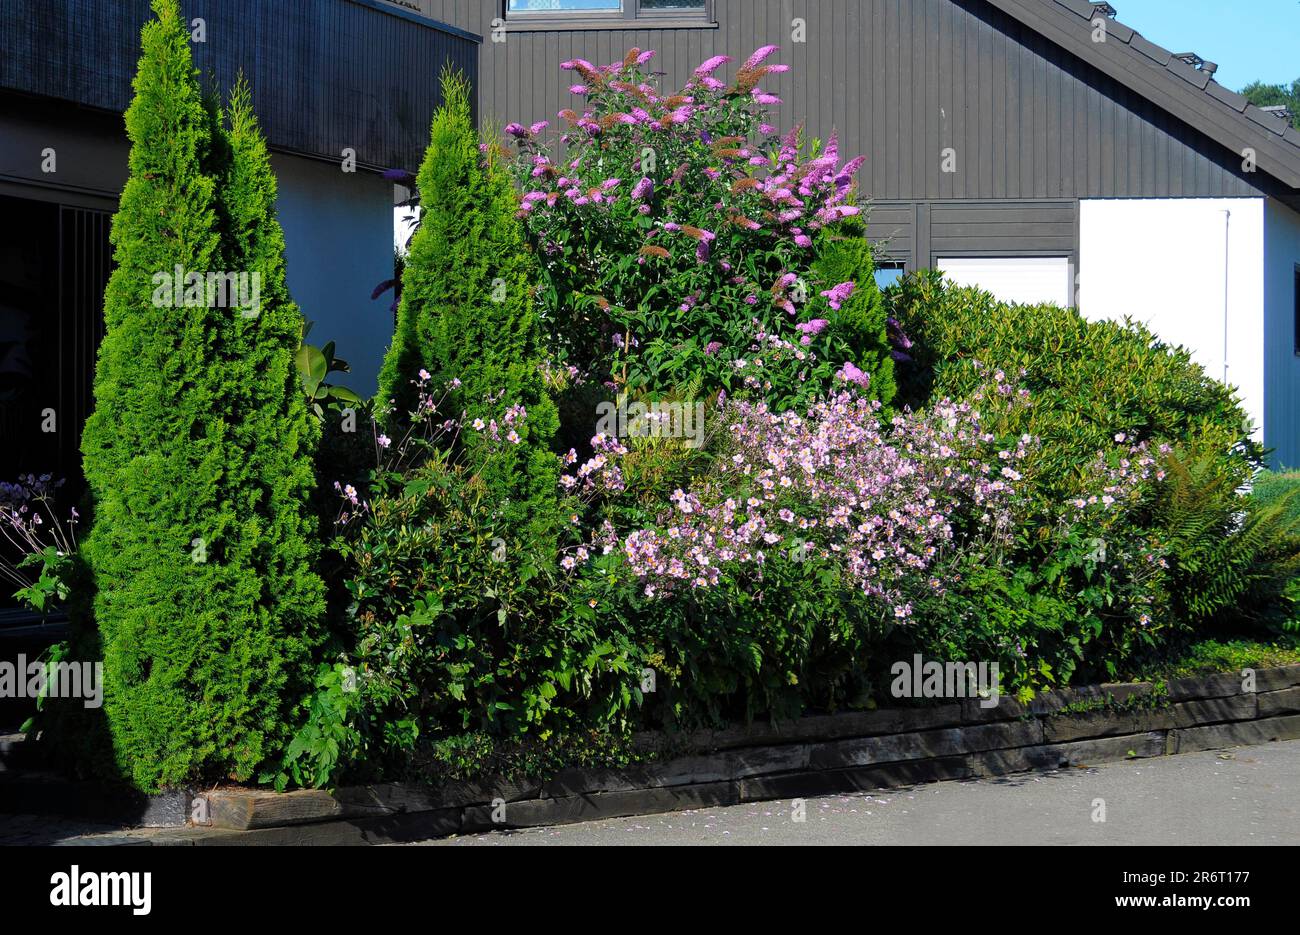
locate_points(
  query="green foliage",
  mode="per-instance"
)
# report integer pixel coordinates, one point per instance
(736, 652)
(1149, 390)
(845, 256)
(675, 237)
(1210, 656)
(1271, 95)
(328, 740)
(1269, 487)
(1281, 489)
(466, 311)
(52, 584)
(457, 624)
(1234, 554)
(198, 452)
(1087, 594)
(315, 365)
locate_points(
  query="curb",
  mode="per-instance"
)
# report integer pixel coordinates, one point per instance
(822, 755)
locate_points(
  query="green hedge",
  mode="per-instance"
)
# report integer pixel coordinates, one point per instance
(1089, 380)
(1069, 608)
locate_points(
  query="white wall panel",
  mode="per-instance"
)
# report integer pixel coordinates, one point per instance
(1191, 269)
(1028, 280)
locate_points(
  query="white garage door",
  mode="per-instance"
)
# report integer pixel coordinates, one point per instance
(1026, 279)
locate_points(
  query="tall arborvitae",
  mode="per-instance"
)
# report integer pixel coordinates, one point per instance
(467, 308)
(196, 451)
(269, 475)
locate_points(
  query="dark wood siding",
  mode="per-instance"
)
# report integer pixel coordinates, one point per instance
(1002, 227)
(901, 80)
(326, 74)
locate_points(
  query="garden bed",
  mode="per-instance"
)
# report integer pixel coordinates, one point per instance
(648, 449)
(830, 754)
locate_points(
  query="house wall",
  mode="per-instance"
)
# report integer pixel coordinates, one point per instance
(325, 74)
(338, 234)
(89, 152)
(1281, 363)
(338, 226)
(1163, 262)
(900, 80)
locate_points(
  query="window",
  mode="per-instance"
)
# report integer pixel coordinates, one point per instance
(888, 273)
(1029, 280)
(1295, 298)
(607, 14)
(565, 6)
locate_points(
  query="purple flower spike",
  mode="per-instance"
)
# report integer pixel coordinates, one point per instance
(711, 65)
(759, 54)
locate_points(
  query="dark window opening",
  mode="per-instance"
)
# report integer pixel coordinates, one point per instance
(54, 264)
(1295, 298)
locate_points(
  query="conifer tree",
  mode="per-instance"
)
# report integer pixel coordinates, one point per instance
(197, 454)
(467, 309)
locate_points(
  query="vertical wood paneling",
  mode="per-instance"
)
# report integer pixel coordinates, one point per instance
(325, 74)
(899, 79)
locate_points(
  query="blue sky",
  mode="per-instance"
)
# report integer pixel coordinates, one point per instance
(1250, 39)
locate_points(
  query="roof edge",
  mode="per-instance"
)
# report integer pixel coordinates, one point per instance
(1155, 74)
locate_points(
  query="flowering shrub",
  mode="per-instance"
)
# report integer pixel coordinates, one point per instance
(37, 546)
(676, 231)
(455, 618)
(830, 485)
(1164, 542)
(769, 582)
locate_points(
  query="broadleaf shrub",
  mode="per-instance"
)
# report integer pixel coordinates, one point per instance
(1148, 390)
(457, 623)
(1115, 410)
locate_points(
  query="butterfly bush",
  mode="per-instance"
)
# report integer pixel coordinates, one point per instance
(678, 230)
(884, 502)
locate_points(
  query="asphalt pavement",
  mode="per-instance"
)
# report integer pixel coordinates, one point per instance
(1247, 795)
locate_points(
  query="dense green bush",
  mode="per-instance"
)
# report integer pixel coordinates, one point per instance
(198, 452)
(1089, 380)
(798, 639)
(1270, 487)
(456, 625)
(1275, 603)
(1185, 552)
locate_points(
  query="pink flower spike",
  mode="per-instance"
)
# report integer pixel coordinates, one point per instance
(759, 55)
(711, 65)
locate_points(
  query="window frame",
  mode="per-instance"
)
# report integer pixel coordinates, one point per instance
(628, 16)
